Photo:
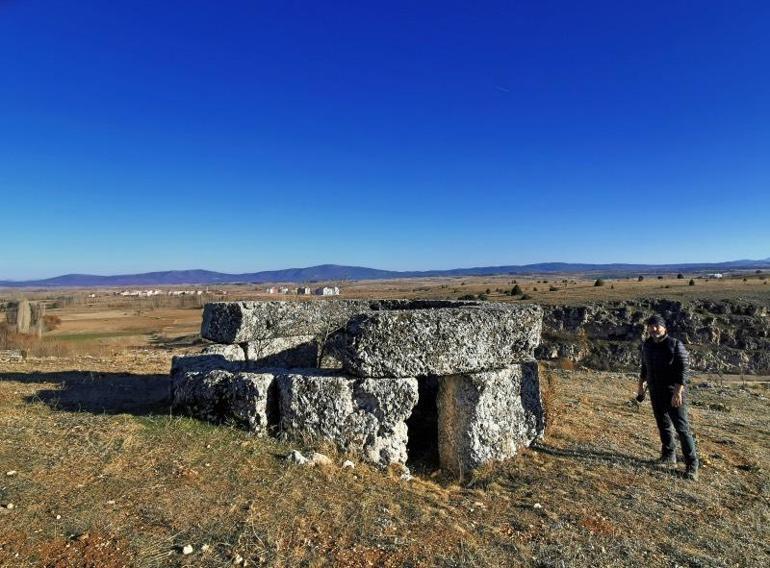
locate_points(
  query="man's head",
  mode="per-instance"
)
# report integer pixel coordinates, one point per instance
(656, 326)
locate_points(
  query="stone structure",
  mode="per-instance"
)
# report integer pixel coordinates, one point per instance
(26, 317)
(356, 372)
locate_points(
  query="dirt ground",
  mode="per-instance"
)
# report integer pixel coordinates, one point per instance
(97, 471)
(106, 475)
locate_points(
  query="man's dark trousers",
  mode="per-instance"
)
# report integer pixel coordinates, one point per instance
(670, 419)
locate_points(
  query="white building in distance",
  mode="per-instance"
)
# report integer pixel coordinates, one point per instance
(327, 291)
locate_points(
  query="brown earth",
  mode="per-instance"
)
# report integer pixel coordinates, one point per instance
(106, 475)
(132, 484)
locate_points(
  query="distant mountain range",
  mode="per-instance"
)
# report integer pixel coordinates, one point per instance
(334, 272)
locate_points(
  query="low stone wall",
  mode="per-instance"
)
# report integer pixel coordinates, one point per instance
(268, 374)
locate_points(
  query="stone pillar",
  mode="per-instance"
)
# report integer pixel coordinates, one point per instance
(487, 416)
(19, 315)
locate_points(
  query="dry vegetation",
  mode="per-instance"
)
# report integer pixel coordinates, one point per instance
(106, 476)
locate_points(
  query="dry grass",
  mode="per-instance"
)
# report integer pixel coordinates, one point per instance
(549, 390)
(85, 426)
(134, 484)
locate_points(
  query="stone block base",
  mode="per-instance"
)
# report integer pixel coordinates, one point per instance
(359, 415)
(487, 416)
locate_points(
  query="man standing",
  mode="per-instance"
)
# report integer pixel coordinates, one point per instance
(664, 370)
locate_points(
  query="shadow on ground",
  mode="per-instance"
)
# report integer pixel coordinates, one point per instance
(175, 343)
(590, 455)
(585, 454)
(97, 392)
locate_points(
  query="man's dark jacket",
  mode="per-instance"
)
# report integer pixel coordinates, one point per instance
(664, 363)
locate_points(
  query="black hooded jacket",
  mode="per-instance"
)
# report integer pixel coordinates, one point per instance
(664, 363)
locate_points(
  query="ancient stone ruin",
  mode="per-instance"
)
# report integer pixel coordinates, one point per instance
(25, 317)
(452, 383)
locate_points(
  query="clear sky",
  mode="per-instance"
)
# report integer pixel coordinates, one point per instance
(241, 136)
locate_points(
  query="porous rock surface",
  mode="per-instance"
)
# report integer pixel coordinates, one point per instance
(264, 374)
(359, 415)
(229, 352)
(487, 416)
(241, 322)
(286, 352)
(439, 341)
(219, 395)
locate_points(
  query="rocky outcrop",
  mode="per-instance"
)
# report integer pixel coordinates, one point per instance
(728, 336)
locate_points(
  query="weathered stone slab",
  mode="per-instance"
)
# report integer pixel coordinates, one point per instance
(220, 395)
(487, 416)
(440, 341)
(205, 362)
(284, 352)
(241, 322)
(279, 352)
(359, 415)
(229, 352)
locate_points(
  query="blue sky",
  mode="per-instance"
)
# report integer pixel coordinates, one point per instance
(240, 136)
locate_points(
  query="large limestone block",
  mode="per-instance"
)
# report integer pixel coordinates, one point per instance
(220, 395)
(19, 314)
(277, 352)
(240, 322)
(440, 341)
(284, 352)
(229, 352)
(359, 415)
(205, 362)
(487, 416)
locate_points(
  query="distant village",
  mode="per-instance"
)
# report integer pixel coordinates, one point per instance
(150, 293)
(302, 291)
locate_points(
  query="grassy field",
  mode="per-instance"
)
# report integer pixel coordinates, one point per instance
(107, 476)
(104, 475)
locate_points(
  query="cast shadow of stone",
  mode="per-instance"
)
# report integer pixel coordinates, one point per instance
(590, 455)
(98, 392)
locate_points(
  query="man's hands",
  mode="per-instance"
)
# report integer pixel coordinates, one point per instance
(676, 399)
(640, 390)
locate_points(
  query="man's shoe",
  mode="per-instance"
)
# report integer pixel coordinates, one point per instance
(667, 460)
(691, 472)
